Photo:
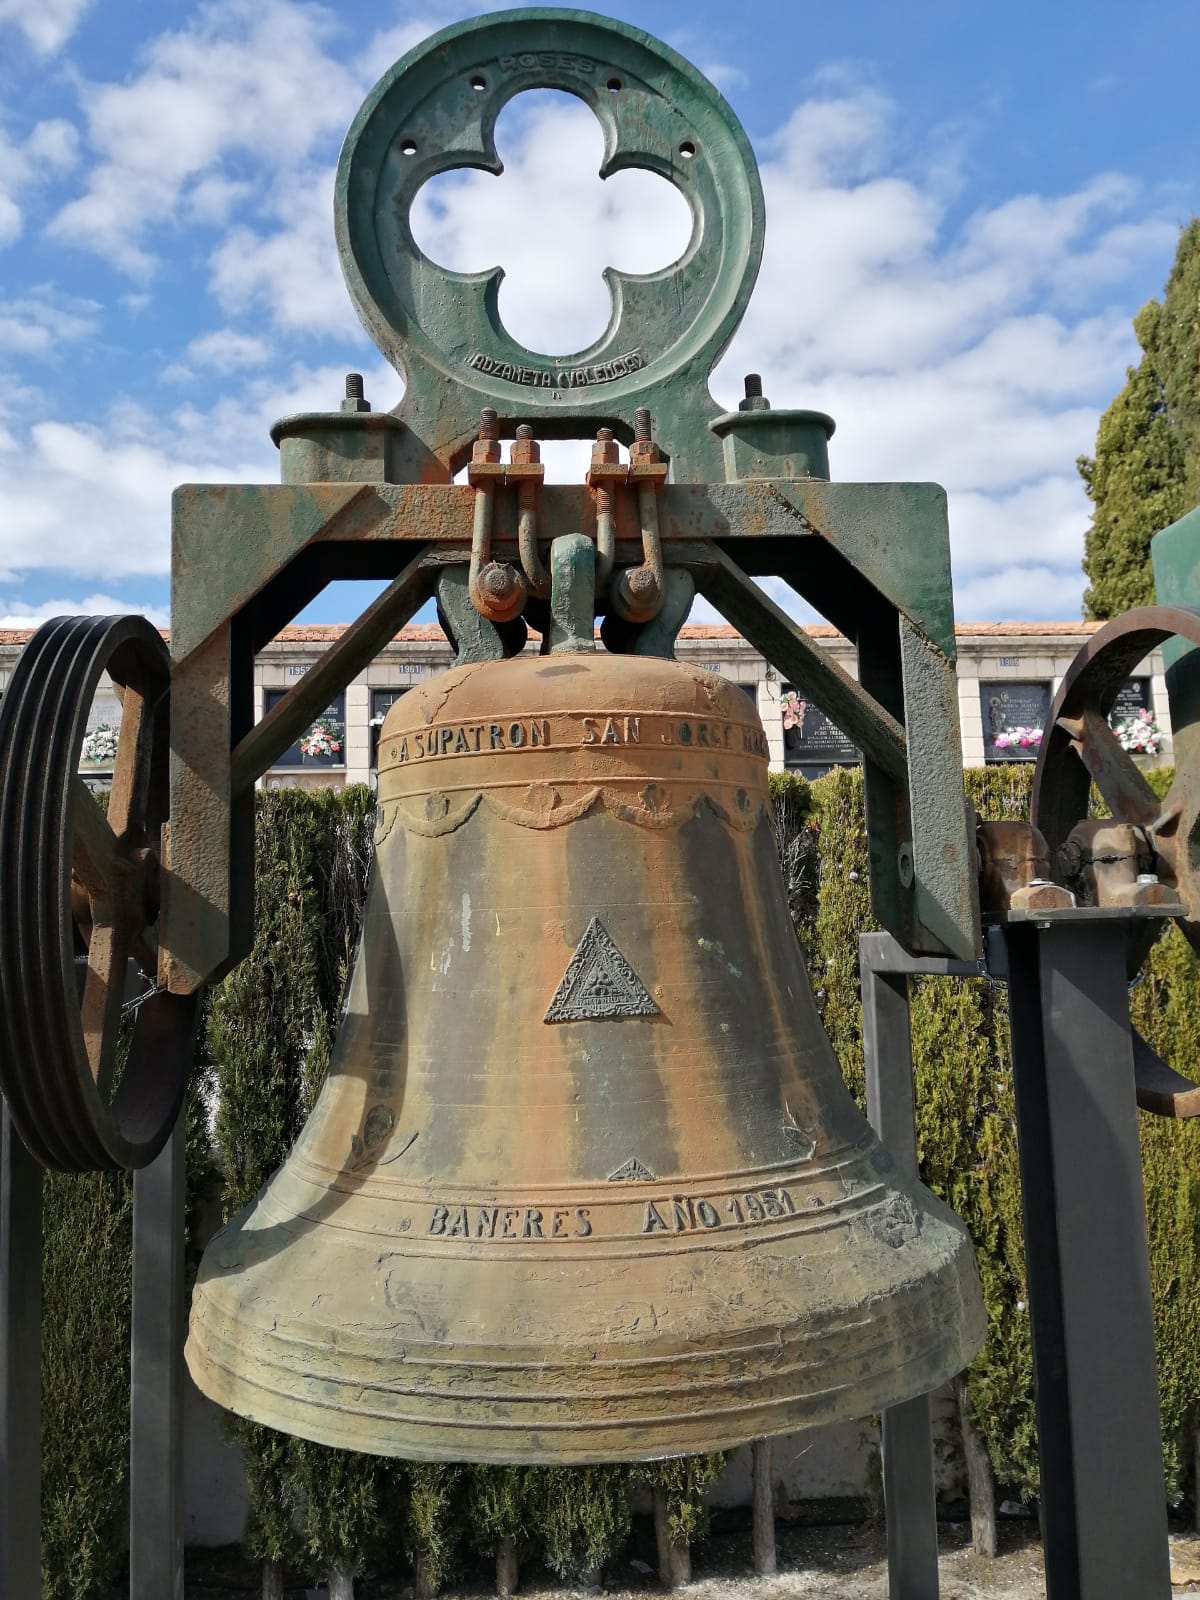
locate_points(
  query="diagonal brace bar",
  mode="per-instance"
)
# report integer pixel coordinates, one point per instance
(773, 633)
(358, 646)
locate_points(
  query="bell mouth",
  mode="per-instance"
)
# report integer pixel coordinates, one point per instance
(548, 1351)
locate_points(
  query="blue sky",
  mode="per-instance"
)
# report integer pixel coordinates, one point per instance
(965, 207)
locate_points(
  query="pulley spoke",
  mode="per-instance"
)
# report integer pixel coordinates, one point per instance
(131, 771)
(95, 844)
(103, 996)
(1112, 769)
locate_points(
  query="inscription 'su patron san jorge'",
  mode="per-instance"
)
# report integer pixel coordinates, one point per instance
(584, 1182)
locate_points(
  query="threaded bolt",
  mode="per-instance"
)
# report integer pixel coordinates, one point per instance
(487, 424)
(641, 425)
(524, 430)
(753, 386)
(354, 386)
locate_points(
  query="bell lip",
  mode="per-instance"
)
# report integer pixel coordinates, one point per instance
(543, 1442)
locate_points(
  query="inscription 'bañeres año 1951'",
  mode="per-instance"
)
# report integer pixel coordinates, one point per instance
(675, 1214)
(532, 733)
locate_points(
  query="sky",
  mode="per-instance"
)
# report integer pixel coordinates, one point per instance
(965, 207)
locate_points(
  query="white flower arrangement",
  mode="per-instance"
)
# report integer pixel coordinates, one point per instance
(100, 744)
(324, 738)
(1022, 737)
(1140, 735)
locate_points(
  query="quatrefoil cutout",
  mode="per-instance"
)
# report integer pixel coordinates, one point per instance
(553, 221)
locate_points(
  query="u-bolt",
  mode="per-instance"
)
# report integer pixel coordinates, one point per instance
(526, 471)
(605, 471)
(497, 590)
(638, 591)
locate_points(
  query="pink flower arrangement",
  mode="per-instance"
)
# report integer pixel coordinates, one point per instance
(324, 738)
(793, 709)
(1025, 738)
(1140, 735)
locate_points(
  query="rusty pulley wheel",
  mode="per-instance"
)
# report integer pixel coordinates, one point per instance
(1078, 749)
(79, 899)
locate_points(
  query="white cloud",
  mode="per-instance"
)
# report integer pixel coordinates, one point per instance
(49, 149)
(226, 350)
(15, 614)
(241, 80)
(291, 274)
(1035, 593)
(41, 321)
(95, 500)
(46, 24)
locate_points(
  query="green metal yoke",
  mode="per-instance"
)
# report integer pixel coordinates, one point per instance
(371, 495)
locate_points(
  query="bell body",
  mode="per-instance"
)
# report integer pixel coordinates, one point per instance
(584, 1183)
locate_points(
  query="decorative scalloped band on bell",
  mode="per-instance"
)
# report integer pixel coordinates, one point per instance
(584, 1182)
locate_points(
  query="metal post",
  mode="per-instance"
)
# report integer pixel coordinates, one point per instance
(156, 1396)
(20, 1367)
(1099, 1440)
(910, 1503)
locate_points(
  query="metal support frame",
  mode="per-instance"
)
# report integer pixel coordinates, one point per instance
(156, 1373)
(910, 1502)
(1088, 1263)
(1087, 1258)
(20, 1367)
(156, 1388)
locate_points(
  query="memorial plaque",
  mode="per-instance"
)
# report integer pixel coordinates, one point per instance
(1132, 699)
(811, 743)
(1014, 715)
(325, 739)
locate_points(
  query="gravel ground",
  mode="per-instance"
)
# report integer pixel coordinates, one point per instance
(836, 1563)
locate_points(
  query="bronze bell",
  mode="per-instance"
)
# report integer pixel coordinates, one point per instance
(584, 1183)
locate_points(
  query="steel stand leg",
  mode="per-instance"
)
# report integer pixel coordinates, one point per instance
(910, 1503)
(156, 1395)
(1099, 1440)
(20, 1367)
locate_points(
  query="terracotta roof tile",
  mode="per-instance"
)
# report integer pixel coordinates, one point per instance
(431, 633)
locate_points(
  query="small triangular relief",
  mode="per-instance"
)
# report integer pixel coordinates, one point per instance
(632, 1170)
(599, 983)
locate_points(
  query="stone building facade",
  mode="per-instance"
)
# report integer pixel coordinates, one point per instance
(1007, 675)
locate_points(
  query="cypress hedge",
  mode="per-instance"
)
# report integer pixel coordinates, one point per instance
(266, 1049)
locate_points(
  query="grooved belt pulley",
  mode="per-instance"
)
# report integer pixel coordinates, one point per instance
(79, 903)
(1080, 748)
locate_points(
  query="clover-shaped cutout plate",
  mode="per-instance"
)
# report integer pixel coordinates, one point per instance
(435, 111)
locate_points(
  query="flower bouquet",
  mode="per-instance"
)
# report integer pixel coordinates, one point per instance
(1018, 738)
(323, 741)
(100, 745)
(1140, 735)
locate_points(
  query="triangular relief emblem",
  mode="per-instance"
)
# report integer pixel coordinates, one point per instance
(599, 983)
(631, 1171)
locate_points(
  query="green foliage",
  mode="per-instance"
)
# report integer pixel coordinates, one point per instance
(432, 1522)
(1166, 1009)
(683, 1482)
(497, 1508)
(270, 1025)
(579, 1516)
(1146, 470)
(86, 1288)
(1170, 333)
(343, 1500)
(843, 912)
